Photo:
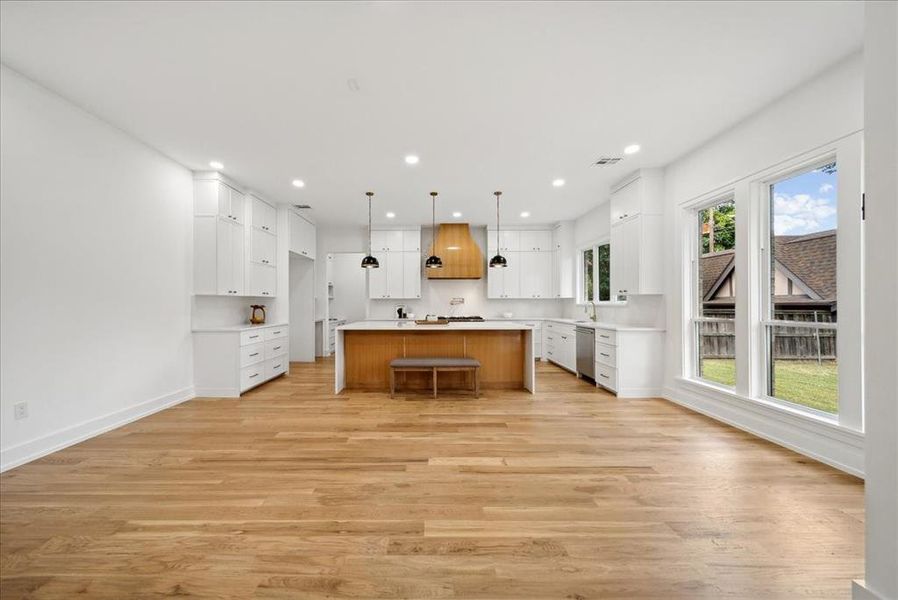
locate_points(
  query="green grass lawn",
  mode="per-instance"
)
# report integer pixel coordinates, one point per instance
(800, 381)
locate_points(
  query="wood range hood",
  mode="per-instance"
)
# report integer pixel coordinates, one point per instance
(461, 256)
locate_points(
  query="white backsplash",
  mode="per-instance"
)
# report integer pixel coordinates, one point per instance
(645, 311)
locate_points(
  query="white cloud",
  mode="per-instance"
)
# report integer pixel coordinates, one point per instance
(826, 188)
(801, 213)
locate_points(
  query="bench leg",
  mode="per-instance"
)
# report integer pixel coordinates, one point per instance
(434, 382)
(392, 383)
(477, 382)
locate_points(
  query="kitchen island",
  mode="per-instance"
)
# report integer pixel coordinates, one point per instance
(364, 350)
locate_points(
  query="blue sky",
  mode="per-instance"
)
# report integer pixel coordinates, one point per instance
(805, 203)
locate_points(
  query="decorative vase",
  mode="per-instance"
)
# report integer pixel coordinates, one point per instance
(256, 318)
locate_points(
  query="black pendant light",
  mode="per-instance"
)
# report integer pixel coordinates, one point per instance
(369, 262)
(433, 261)
(498, 260)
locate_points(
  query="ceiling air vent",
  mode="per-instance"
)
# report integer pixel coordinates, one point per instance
(607, 160)
(302, 206)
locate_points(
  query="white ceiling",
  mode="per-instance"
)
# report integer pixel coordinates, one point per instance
(490, 95)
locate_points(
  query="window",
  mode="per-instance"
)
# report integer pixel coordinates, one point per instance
(800, 315)
(595, 273)
(714, 291)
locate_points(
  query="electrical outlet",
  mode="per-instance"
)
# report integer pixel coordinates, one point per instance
(20, 410)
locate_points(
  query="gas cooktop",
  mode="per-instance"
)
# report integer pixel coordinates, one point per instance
(463, 319)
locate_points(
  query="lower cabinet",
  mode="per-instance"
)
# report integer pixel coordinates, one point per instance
(229, 361)
(560, 344)
(630, 362)
(537, 337)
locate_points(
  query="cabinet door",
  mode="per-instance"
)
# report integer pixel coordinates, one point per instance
(238, 259)
(303, 236)
(411, 274)
(536, 241)
(395, 274)
(618, 260)
(223, 263)
(238, 206)
(264, 215)
(530, 274)
(541, 264)
(377, 278)
(512, 275)
(386, 240)
(495, 282)
(263, 246)
(625, 202)
(411, 240)
(509, 240)
(263, 280)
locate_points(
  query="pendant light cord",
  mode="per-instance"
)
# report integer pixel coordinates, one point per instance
(498, 250)
(369, 194)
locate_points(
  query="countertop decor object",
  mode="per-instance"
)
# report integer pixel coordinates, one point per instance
(431, 321)
(256, 318)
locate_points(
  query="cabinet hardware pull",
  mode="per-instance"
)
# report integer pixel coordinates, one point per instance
(603, 375)
(252, 337)
(277, 366)
(253, 375)
(605, 355)
(277, 348)
(254, 354)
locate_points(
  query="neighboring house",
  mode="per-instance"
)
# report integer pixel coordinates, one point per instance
(804, 278)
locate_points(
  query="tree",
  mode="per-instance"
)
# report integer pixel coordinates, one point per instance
(718, 227)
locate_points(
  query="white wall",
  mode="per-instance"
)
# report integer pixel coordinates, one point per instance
(302, 308)
(818, 112)
(95, 268)
(881, 327)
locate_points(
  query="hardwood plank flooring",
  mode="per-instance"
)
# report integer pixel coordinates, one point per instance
(291, 492)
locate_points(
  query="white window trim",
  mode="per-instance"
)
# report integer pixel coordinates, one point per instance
(580, 301)
(751, 376)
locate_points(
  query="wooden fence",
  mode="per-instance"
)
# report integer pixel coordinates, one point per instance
(789, 343)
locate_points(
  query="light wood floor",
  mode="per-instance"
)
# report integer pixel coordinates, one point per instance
(290, 492)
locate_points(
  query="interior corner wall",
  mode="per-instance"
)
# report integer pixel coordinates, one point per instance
(95, 274)
(819, 111)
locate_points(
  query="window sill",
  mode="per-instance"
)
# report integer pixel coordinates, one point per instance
(771, 408)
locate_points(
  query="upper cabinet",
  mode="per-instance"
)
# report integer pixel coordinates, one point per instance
(531, 263)
(264, 215)
(213, 197)
(640, 193)
(398, 251)
(535, 241)
(636, 235)
(564, 260)
(303, 236)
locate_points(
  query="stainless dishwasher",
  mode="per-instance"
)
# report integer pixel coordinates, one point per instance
(586, 352)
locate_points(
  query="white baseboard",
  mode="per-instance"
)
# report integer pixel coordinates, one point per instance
(835, 446)
(860, 591)
(63, 438)
(641, 393)
(213, 392)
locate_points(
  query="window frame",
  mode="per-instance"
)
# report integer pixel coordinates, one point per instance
(581, 283)
(766, 305)
(695, 317)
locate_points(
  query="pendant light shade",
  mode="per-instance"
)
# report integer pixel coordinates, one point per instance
(369, 262)
(498, 260)
(433, 261)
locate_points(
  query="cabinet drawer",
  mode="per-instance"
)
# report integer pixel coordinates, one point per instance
(275, 348)
(606, 336)
(606, 354)
(251, 336)
(273, 333)
(252, 375)
(606, 376)
(276, 366)
(250, 355)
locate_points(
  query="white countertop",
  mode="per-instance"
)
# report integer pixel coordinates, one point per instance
(498, 320)
(229, 328)
(457, 326)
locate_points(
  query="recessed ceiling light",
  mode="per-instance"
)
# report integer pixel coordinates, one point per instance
(525, 214)
(299, 183)
(391, 215)
(411, 159)
(456, 214)
(631, 149)
(558, 182)
(216, 165)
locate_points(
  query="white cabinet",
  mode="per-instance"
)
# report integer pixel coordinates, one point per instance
(535, 241)
(262, 280)
(637, 256)
(213, 197)
(537, 337)
(535, 274)
(264, 215)
(263, 247)
(411, 240)
(398, 277)
(505, 282)
(560, 344)
(509, 240)
(219, 260)
(640, 193)
(303, 236)
(630, 362)
(386, 240)
(564, 260)
(229, 361)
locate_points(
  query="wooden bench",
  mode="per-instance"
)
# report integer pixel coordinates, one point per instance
(435, 365)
